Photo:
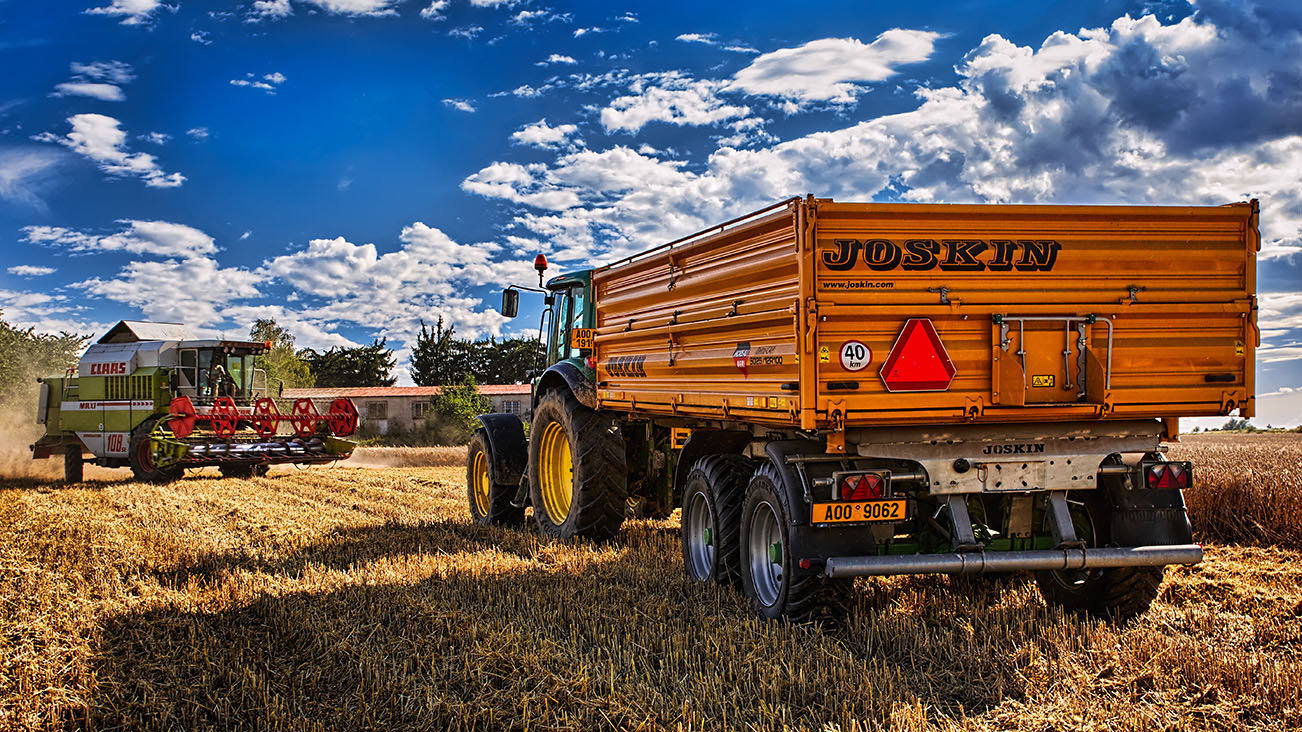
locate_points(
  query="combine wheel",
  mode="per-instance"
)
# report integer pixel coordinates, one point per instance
(243, 471)
(144, 458)
(578, 479)
(776, 587)
(712, 499)
(490, 503)
(1120, 593)
(73, 465)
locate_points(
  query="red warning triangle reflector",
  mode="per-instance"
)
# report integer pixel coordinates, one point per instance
(917, 361)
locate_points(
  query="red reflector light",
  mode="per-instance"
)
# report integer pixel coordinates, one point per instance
(918, 361)
(861, 487)
(1167, 475)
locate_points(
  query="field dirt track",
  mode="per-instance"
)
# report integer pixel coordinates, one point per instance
(349, 598)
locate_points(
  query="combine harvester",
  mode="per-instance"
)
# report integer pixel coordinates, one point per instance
(151, 397)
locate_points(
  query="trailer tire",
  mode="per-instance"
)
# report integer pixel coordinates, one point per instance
(712, 500)
(490, 503)
(141, 458)
(73, 464)
(578, 477)
(243, 471)
(1120, 593)
(778, 589)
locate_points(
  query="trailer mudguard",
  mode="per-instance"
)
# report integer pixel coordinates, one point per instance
(508, 449)
(777, 452)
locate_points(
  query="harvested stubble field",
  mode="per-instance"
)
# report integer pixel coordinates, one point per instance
(364, 598)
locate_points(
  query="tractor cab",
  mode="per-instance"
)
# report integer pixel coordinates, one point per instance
(566, 325)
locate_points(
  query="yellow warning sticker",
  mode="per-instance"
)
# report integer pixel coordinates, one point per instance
(824, 354)
(1238, 348)
(1041, 380)
(777, 403)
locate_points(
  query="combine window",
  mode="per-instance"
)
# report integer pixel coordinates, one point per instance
(189, 368)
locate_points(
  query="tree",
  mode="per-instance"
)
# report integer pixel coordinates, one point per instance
(360, 366)
(283, 366)
(454, 412)
(26, 355)
(439, 358)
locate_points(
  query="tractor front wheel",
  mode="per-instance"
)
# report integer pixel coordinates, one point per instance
(144, 457)
(578, 478)
(490, 503)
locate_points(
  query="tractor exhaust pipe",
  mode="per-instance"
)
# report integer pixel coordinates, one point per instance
(1018, 561)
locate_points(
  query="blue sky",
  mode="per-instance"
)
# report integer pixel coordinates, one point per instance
(350, 167)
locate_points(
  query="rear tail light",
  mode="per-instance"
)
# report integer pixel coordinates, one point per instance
(1168, 475)
(860, 486)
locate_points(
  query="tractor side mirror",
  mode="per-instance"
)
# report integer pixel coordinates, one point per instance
(510, 302)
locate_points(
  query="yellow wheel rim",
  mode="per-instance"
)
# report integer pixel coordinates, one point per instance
(556, 472)
(481, 483)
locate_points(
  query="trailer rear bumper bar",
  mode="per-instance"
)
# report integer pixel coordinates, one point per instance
(1016, 561)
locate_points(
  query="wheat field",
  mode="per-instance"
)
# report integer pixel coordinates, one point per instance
(363, 598)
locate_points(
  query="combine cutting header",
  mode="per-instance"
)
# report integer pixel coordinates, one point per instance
(151, 397)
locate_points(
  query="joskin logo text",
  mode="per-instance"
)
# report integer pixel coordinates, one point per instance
(955, 255)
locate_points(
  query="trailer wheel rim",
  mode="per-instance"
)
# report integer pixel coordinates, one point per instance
(699, 532)
(764, 535)
(556, 472)
(481, 483)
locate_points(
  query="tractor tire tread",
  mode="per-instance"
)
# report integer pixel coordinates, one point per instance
(600, 473)
(727, 476)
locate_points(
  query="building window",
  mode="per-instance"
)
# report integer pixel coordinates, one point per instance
(511, 407)
(421, 410)
(377, 410)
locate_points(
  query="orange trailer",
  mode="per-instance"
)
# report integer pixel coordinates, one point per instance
(830, 390)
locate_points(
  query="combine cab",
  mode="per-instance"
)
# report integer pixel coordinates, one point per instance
(151, 397)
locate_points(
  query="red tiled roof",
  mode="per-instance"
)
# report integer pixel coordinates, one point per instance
(397, 391)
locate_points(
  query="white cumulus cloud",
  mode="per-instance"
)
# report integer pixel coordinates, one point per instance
(132, 12)
(832, 69)
(30, 270)
(157, 238)
(540, 134)
(101, 139)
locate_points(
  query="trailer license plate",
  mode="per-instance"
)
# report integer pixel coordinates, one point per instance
(845, 512)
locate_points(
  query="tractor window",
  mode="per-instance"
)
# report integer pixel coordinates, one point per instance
(560, 332)
(576, 318)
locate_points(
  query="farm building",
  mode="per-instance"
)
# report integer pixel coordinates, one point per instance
(403, 407)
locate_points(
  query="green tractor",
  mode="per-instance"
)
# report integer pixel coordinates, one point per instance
(151, 397)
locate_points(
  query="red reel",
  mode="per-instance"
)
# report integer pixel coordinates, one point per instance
(225, 417)
(343, 417)
(265, 417)
(182, 421)
(305, 417)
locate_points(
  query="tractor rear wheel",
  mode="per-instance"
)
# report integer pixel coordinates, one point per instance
(73, 464)
(711, 522)
(578, 478)
(144, 457)
(490, 503)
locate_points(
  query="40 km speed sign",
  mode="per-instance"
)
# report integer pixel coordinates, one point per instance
(855, 356)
